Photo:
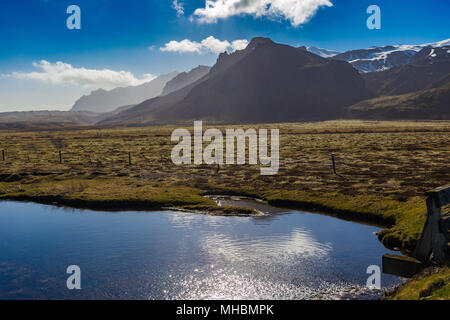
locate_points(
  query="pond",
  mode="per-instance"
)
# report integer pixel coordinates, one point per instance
(286, 254)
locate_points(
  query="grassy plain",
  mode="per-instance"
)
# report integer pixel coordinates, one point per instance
(384, 170)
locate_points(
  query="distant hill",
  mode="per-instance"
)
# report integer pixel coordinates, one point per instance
(37, 119)
(54, 119)
(106, 101)
(266, 82)
(184, 79)
(431, 104)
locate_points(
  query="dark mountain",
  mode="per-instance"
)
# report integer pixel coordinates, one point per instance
(428, 69)
(106, 101)
(184, 79)
(266, 82)
(431, 104)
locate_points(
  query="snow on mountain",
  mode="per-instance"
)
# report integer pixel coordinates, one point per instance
(324, 53)
(383, 58)
(439, 44)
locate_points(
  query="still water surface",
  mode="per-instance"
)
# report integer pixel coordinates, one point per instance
(175, 255)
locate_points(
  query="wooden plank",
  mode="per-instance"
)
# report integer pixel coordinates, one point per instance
(438, 241)
(424, 246)
(432, 240)
(401, 266)
(441, 195)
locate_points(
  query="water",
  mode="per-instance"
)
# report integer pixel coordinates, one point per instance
(174, 255)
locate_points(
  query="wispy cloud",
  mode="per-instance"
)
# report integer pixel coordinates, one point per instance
(208, 45)
(60, 73)
(178, 7)
(297, 12)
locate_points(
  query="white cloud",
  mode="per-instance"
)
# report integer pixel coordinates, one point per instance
(182, 46)
(209, 44)
(60, 73)
(239, 44)
(215, 45)
(178, 7)
(297, 12)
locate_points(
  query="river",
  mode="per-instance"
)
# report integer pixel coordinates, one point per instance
(285, 254)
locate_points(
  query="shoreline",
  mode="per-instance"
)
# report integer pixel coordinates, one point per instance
(114, 205)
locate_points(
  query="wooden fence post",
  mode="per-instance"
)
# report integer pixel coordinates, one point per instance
(333, 161)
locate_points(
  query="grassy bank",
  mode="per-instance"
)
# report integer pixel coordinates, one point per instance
(384, 169)
(433, 284)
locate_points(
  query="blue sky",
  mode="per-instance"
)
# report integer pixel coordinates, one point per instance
(127, 36)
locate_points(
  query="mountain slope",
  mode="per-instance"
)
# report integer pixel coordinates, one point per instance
(143, 112)
(266, 82)
(431, 104)
(106, 101)
(184, 79)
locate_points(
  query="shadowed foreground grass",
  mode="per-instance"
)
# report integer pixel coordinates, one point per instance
(385, 169)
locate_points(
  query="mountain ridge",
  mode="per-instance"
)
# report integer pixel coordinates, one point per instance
(185, 78)
(108, 100)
